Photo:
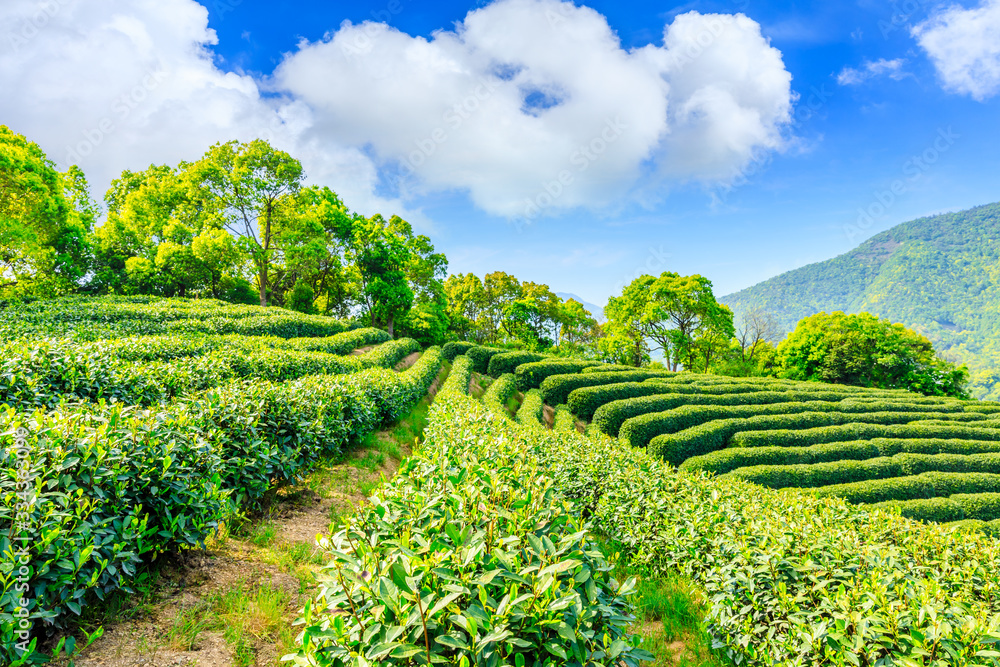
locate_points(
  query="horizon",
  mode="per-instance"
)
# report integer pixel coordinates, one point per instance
(669, 154)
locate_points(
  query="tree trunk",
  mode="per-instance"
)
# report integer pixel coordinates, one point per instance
(262, 280)
(390, 327)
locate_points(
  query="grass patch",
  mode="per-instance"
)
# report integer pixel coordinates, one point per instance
(670, 614)
(248, 618)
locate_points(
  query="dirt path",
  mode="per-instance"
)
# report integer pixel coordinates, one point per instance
(409, 361)
(548, 416)
(362, 350)
(233, 604)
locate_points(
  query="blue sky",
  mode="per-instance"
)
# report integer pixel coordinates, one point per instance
(838, 109)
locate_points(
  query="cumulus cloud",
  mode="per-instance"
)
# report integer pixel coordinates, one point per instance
(525, 103)
(535, 101)
(872, 69)
(116, 84)
(964, 45)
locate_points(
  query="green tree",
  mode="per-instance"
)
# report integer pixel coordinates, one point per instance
(381, 258)
(678, 313)
(865, 351)
(252, 182)
(45, 218)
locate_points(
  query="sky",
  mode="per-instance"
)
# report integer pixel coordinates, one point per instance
(576, 145)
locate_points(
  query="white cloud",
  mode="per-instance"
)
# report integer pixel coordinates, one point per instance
(116, 84)
(520, 93)
(964, 45)
(525, 90)
(871, 69)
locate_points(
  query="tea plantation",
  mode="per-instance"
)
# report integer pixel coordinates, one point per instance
(476, 552)
(133, 427)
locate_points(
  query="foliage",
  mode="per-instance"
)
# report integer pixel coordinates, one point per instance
(507, 362)
(481, 356)
(455, 348)
(531, 375)
(865, 351)
(45, 218)
(530, 412)
(513, 577)
(499, 393)
(556, 388)
(677, 313)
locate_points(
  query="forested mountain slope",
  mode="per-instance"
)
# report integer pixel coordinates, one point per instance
(939, 275)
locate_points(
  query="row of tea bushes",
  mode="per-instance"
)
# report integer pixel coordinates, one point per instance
(530, 412)
(91, 318)
(468, 557)
(734, 458)
(767, 430)
(789, 578)
(881, 468)
(50, 371)
(507, 362)
(114, 485)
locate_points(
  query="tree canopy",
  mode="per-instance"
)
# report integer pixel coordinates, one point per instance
(866, 351)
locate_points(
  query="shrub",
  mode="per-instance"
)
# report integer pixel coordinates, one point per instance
(481, 357)
(458, 378)
(456, 348)
(564, 420)
(924, 485)
(530, 412)
(499, 394)
(858, 431)
(506, 362)
(609, 417)
(733, 458)
(845, 472)
(557, 387)
(531, 375)
(913, 589)
(117, 484)
(514, 583)
(676, 447)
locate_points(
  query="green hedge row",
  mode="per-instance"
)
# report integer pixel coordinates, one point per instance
(460, 375)
(114, 484)
(556, 388)
(456, 348)
(481, 356)
(733, 458)
(776, 566)
(92, 318)
(978, 512)
(565, 420)
(610, 416)
(847, 472)
(531, 375)
(606, 368)
(978, 430)
(530, 412)
(514, 576)
(924, 485)
(51, 371)
(499, 393)
(678, 446)
(507, 362)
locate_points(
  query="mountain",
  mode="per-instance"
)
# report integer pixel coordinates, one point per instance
(938, 275)
(594, 310)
